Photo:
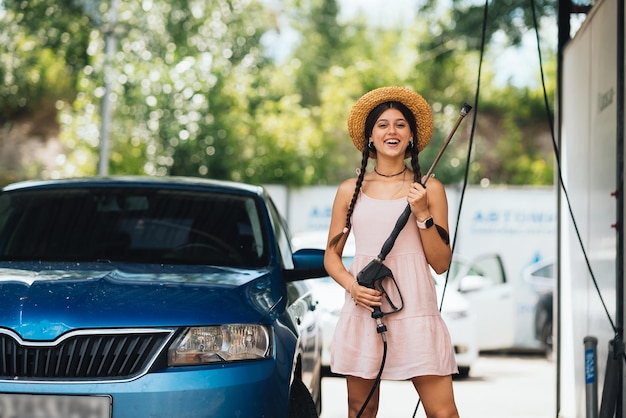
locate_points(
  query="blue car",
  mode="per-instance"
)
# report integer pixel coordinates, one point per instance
(133, 297)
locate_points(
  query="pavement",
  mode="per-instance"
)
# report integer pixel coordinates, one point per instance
(499, 386)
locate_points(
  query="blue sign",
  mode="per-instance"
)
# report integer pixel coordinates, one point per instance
(590, 367)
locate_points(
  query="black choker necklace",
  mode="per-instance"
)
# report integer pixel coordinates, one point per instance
(390, 175)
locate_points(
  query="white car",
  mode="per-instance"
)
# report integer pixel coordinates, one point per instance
(484, 286)
(455, 309)
(461, 322)
(540, 277)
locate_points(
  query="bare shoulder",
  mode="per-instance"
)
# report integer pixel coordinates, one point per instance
(343, 197)
(434, 186)
(346, 189)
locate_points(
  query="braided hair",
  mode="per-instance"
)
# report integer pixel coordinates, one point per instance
(369, 127)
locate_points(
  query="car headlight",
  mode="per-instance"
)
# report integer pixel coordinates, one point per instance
(221, 343)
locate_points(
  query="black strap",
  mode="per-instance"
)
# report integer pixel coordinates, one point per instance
(400, 223)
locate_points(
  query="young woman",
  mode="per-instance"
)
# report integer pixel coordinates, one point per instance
(390, 125)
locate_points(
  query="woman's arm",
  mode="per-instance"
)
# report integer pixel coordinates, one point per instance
(432, 202)
(332, 259)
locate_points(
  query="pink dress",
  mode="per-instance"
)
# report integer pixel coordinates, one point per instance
(418, 342)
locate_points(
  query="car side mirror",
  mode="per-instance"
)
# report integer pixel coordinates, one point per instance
(308, 264)
(473, 283)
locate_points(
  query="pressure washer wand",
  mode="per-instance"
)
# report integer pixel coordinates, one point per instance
(404, 217)
(464, 111)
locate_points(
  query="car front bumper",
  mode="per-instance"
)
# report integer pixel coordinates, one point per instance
(247, 389)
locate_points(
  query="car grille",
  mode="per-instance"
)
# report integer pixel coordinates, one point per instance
(82, 355)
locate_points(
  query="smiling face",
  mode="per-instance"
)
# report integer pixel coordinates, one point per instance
(391, 133)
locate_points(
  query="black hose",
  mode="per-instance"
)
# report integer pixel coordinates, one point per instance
(377, 381)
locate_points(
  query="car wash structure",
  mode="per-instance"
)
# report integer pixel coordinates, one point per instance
(590, 278)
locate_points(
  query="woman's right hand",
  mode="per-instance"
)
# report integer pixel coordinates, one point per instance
(365, 296)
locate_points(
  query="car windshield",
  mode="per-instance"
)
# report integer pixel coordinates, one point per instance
(137, 225)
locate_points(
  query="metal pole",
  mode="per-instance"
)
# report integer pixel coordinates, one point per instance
(612, 404)
(591, 381)
(564, 13)
(611, 393)
(110, 46)
(619, 270)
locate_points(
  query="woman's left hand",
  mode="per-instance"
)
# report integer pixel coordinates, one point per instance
(418, 200)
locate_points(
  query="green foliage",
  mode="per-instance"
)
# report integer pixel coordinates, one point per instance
(179, 90)
(195, 92)
(44, 48)
(509, 17)
(322, 41)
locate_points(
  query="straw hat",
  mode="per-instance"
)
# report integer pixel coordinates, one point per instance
(412, 100)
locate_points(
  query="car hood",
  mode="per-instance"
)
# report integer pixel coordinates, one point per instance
(43, 304)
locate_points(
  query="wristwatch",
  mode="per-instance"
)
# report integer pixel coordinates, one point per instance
(428, 222)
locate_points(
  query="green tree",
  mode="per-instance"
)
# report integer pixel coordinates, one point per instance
(194, 91)
(181, 73)
(321, 43)
(513, 18)
(44, 49)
